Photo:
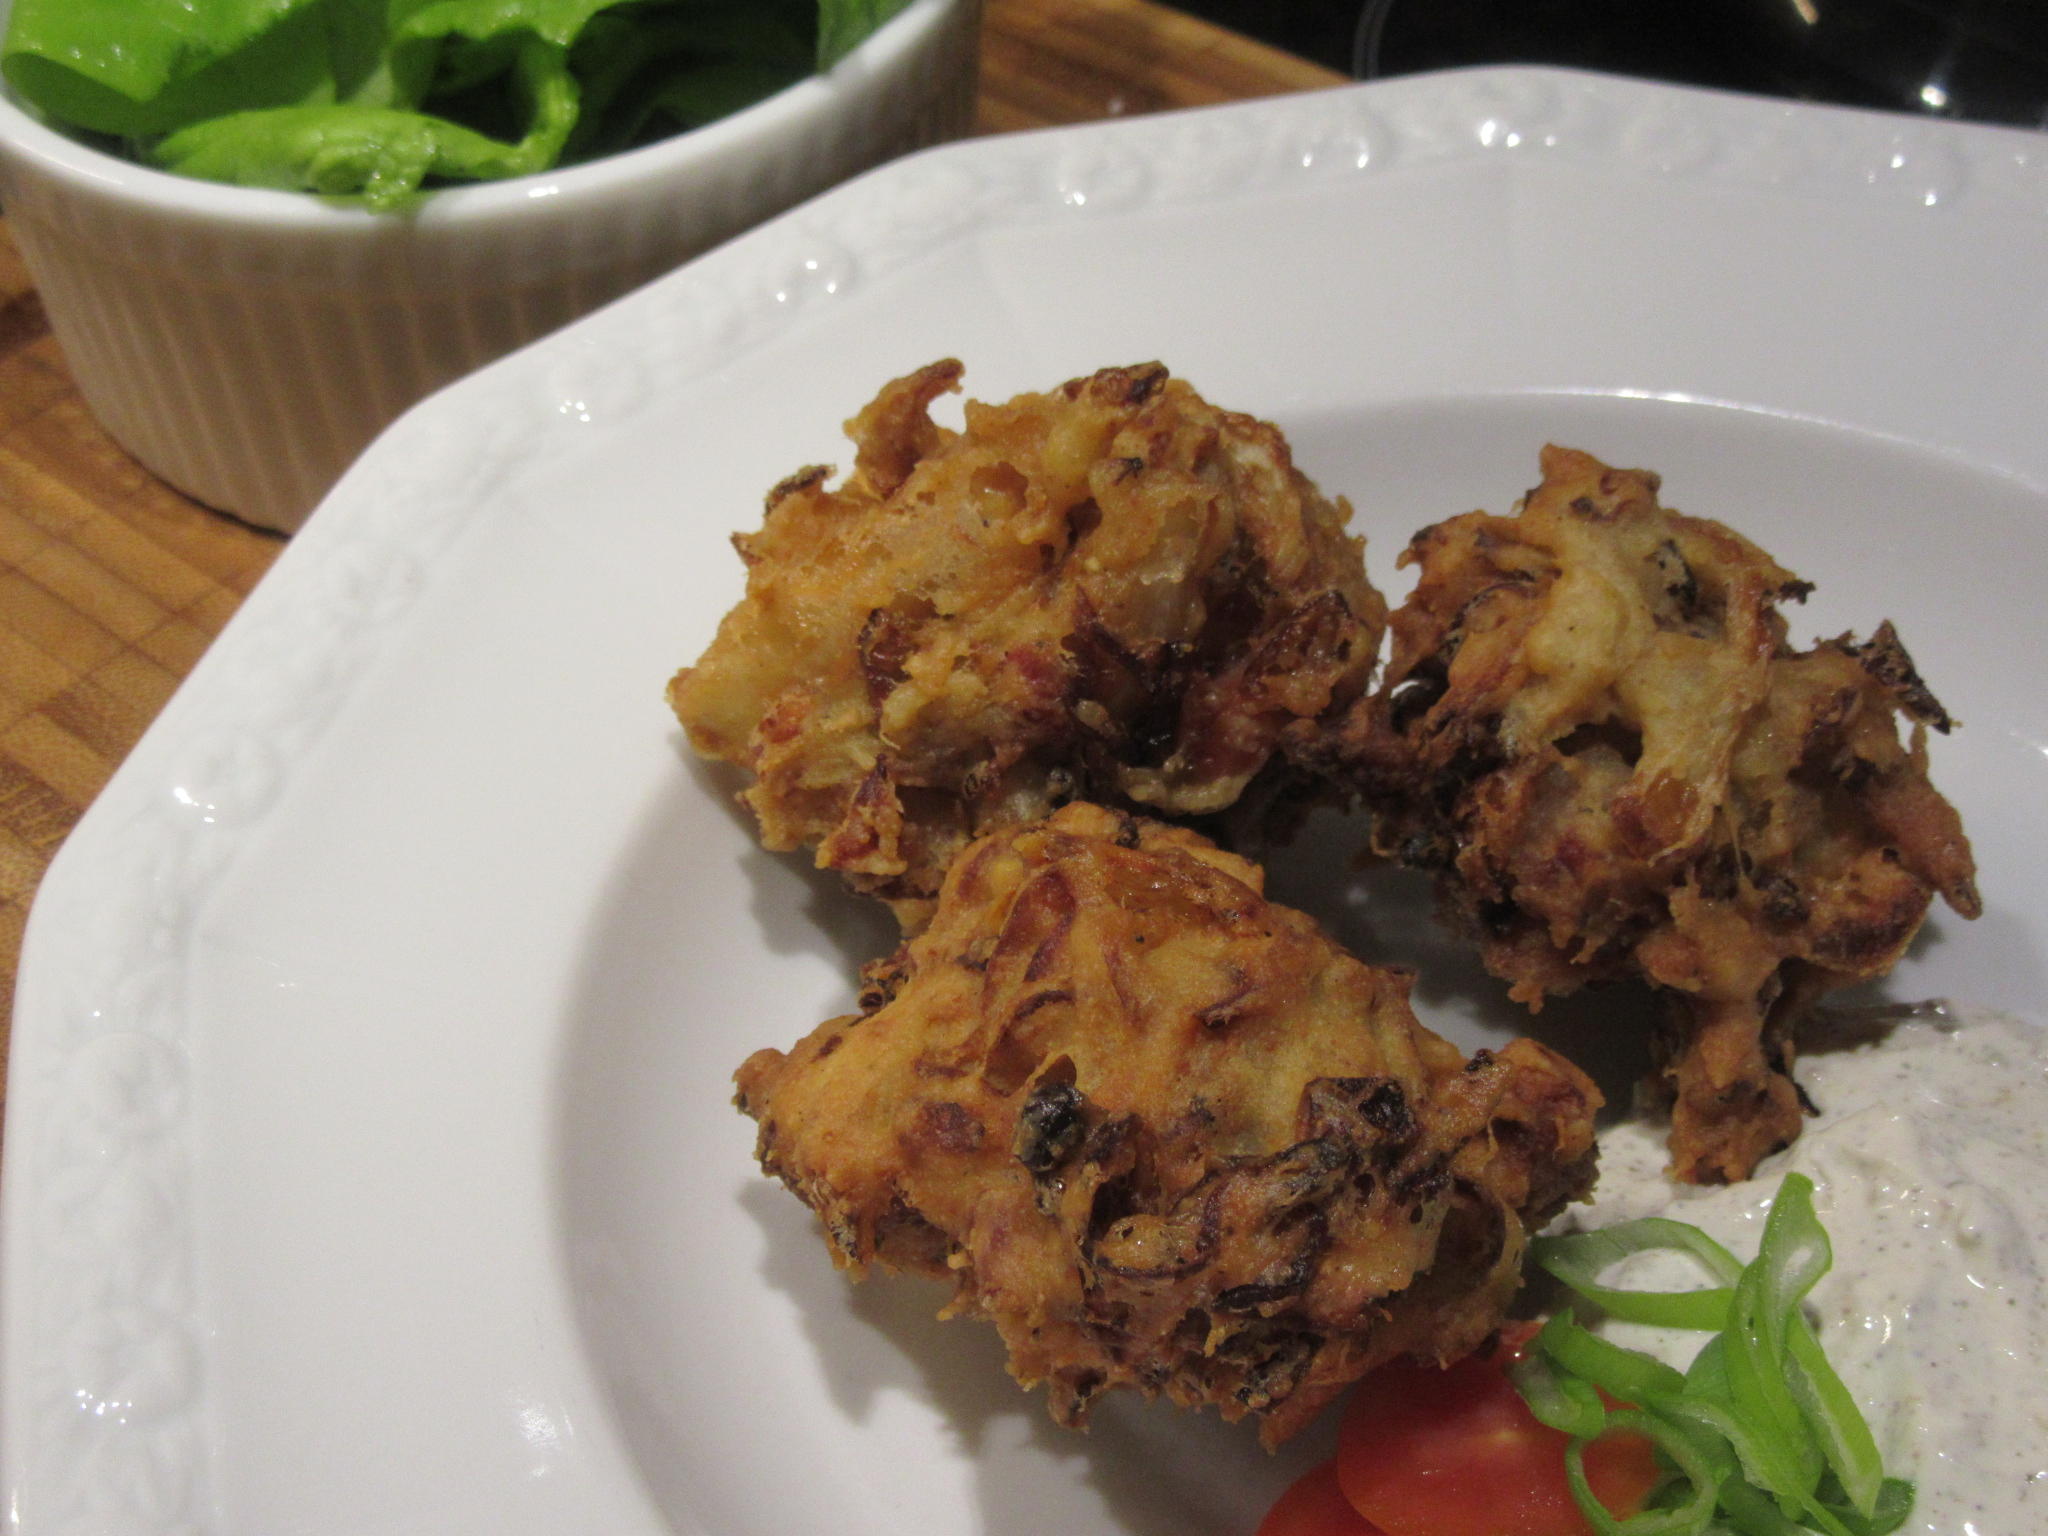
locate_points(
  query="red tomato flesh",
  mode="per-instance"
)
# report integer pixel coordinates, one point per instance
(1315, 1506)
(1428, 1452)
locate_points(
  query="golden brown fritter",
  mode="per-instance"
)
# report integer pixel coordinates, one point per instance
(1112, 592)
(1593, 727)
(1164, 1134)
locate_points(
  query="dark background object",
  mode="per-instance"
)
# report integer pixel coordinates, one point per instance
(1323, 30)
(1986, 60)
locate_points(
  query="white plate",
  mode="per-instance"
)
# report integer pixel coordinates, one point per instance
(370, 1166)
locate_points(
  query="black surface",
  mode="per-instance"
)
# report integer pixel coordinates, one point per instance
(1323, 30)
(1981, 59)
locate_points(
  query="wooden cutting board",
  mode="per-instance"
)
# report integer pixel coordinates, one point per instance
(112, 584)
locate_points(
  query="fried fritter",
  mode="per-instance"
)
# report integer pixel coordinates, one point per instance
(1593, 727)
(1164, 1134)
(1111, 592)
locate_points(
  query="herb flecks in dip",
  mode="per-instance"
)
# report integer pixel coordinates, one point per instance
(1928, 1161)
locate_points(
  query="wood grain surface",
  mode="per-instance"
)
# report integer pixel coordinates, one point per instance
(112, 584)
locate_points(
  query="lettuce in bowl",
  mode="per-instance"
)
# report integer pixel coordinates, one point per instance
(371, 101)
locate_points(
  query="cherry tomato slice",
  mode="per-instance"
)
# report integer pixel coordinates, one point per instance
(1428, 1452)
(1315, 1506)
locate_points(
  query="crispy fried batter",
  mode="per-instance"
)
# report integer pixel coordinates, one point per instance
(1165, 1134)
(1593, 727)
(1112, 592)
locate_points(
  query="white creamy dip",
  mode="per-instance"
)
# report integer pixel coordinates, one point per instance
(1930, 1161)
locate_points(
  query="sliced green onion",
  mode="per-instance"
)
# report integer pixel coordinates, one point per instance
(1768, 1294)
(1768, 1463)
(1707, 1376)
(1837, 1423)
(1795, 1251)
(1689, 1518)
(1565, 1403)
(1894, 1504)
(1766, 1439)
(1580, 1258)
(1754, 1513)
(1709, 1446)
(1627, 1375)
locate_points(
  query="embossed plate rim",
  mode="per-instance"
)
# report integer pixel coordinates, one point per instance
(103, 1411)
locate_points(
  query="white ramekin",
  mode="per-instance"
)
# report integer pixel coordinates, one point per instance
(246, 345)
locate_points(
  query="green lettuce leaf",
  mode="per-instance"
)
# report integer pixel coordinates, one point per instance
(132, 68)
(375, 100)
(843, 25)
